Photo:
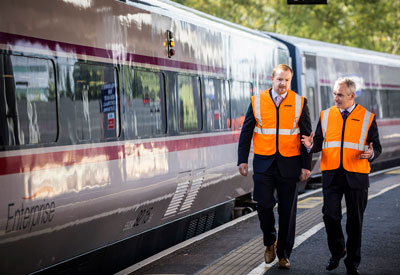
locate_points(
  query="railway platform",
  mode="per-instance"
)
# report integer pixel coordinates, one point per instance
(237, 248)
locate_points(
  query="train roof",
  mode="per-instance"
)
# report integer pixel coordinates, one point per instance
(184, 13)
(344, 52)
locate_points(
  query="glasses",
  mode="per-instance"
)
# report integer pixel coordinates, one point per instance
(339, 95)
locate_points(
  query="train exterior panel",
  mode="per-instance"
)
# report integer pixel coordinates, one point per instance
(105, 138)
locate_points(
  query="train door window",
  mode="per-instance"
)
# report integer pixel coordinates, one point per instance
(96, 107)
(327, 99)
(217, 103)
(190, 110)
(283, 56)
(241, 93)
(28, 104)
(373, 102)
(384, 99)
(362, 98)
(144, 112)
(392, 103)
(311, 84)
(366, 98)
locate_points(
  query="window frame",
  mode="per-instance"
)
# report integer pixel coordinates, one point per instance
(201, 115)
(53, 64)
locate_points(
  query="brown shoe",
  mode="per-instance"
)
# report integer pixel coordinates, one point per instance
(283, 263)
(270, 254)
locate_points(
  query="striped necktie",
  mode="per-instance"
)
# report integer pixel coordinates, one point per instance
(345, 113)
(278, 100)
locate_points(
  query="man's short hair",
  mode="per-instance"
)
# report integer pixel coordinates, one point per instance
(282, 67)
(350, 84)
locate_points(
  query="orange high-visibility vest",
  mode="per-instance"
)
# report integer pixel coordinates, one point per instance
(267, 133)
(353, 142)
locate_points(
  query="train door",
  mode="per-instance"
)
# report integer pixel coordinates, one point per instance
(310, 84)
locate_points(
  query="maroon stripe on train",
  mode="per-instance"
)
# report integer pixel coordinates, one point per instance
(388, 122)
(44, 44)
(43, 161)
(382, 85)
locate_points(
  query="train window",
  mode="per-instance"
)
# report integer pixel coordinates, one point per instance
(389, 101)
(264, 86)
(367, 99)
(190, 112)
(283, 56)
(96, 107)
(143, 103)
(217, 103)
(327, 99)
(28, 101)
(311, 84)
(240, 101)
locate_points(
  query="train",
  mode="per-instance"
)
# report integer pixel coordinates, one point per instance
(120, 120)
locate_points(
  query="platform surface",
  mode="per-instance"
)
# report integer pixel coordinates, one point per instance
(238, 249)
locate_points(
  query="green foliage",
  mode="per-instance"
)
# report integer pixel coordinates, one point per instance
(369, 24)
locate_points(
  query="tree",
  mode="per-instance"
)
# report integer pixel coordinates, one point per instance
(369, 24)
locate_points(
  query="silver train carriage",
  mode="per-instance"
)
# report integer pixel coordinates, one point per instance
(318, 64)
(118, 128)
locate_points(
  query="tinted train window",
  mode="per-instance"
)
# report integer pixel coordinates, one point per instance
(144, 103)
(240, 102)
(28, 101)
(283, 56)
(368, 99)
(189, 103)
(217, 103)
(96, 107)
(390, 103)
(311, 85)
(327, 99)
(393, 102)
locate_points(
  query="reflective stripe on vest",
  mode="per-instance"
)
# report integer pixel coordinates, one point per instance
(357, 146)
(296, 114)
(257, 110)
(353, 139)
(266, 135)
(350, 145)
(272, 131)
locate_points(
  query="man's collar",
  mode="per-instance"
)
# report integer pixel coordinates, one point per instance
(350, 109)
(275, 94)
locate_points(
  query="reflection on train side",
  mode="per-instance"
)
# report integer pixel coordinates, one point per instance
(141, 162)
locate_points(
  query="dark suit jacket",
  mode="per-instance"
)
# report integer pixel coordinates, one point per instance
(355, 180)
(288, 166)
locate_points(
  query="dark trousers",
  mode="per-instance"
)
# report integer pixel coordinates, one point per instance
(356, 202)
(264, 187)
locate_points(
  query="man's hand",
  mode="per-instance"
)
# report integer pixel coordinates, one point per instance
(307, 140)
(305, 174)
(367, 153)
(243, 168)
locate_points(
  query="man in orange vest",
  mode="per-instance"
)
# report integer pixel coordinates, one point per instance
(348, 136)
(275, 120)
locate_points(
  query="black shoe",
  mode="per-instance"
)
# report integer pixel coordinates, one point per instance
(351, 269)
(334, 261)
